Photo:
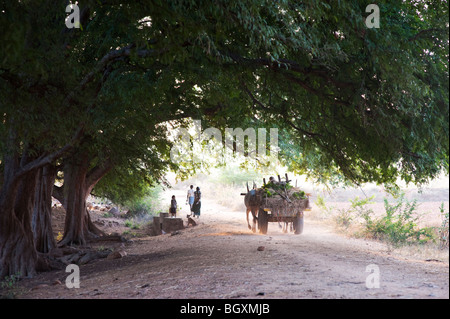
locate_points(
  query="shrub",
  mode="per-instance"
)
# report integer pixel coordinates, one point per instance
(132, 224)
(147, 205)
(344, 218)
(443, 230)
(9, 288)
(321, 204)
(358, 207)
(399, 224)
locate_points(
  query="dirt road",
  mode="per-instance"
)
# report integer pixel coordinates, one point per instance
(219, 258)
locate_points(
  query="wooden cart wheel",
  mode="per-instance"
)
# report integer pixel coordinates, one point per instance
(263, 221)
(298, 224)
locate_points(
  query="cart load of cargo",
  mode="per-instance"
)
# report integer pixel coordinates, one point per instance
(278, 201)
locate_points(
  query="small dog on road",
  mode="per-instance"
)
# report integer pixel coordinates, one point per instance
(191, 221)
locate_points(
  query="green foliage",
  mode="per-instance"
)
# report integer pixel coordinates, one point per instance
(124, 186)
(358, 207)
(320, 202)
(9, 282)
(444, 228)
(366, 96)
(299, 195)
(399, 224)
(284, 188)
(128, 223)
(8, 287)
(130, 233)
(278, 186)
(397, 227)
(343, 219)
(268, 193)
(325, 210)
(351, 103)
(132, 224)
(150, 204)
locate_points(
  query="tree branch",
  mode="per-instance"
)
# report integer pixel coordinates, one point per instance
(46, 159)
(305, 132)
(293, 66)
(314, 91)
(424, 32)
(97, 173)
(254, 99)
(411, 154)
(105, 60)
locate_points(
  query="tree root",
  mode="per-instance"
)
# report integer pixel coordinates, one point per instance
(59, 258)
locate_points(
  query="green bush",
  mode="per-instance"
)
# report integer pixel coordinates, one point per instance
(320, 202)
(358, 207)
(146, 205)
(132, 224)
(443, 230)
(325, 210)
(399, 224)
(9, 288)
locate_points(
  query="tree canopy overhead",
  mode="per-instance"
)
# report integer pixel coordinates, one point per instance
(349, 101)
(366, 104)
(372, 102)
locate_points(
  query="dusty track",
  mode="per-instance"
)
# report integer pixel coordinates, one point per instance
(219, 259)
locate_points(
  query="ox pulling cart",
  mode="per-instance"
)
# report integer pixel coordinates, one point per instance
(277, 201)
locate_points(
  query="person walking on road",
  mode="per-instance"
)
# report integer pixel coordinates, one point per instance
(197, 203)
(190, 196)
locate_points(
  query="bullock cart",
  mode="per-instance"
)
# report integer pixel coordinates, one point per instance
(278, 202)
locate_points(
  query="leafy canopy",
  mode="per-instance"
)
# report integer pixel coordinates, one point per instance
(350, 102)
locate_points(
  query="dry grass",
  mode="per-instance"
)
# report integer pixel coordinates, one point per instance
(428, 213)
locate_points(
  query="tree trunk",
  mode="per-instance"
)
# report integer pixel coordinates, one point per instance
(18, 255)
(78, 184)
(42, 212)
(75, 170)
(93, 177)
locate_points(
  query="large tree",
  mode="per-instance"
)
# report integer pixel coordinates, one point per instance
(366, 104)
